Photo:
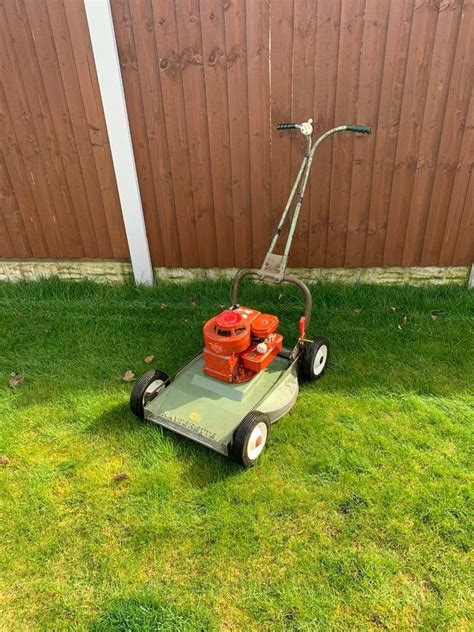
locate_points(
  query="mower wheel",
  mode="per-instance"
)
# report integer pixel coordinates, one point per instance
(250, 438)
(314, 359)
(147, 388)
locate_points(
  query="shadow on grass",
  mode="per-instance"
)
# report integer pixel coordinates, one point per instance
(144, 439)
(144, 613)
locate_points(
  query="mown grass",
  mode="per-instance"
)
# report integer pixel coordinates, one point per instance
(357, 517)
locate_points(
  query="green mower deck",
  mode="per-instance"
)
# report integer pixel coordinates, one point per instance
(208, 410)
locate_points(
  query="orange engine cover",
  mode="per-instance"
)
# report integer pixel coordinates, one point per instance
(240, 342)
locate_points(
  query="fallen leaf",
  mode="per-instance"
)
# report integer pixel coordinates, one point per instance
(129, 376)
(149, 359)
(15, 380)
(163, 306)
(193, 304)
(357, 311)
(405, 320)
(399, 326)
(393, 308)
(433, 317)
(121, 476)
(4, 460)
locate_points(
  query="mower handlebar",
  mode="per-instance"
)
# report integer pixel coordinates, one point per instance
(363, 129)
(287, 126)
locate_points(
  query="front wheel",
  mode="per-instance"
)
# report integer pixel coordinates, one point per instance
(151, 384)
(250, 438)
(314, 359)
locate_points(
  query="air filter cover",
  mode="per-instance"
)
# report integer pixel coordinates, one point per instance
(264, 325)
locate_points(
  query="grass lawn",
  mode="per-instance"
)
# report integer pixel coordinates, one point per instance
(357, 516)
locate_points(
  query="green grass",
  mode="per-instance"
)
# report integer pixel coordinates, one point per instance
(357, 516)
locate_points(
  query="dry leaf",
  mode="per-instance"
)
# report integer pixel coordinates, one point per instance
(121, 476)
(15, 380)
(149, 359)
(163, 305)
(405, 320)
(193, 304)
(433, 317)
(4, 460)
(357, 311)
(393, 308)
(129, 376)
(399, 326)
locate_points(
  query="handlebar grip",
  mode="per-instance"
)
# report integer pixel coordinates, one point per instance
(363, 129)
(287, 126)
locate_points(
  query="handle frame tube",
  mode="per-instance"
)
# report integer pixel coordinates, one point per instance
(288, 278)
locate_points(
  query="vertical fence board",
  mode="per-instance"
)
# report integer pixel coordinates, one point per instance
(68, 166)
(98, 146)
(414, 96)
(441, 65)
(214, 57)
(15, 238)
(459, 231)
(80, 125)
(281, 30)
(17, 109)
(374, 39)
(257, 24)
(387, 127)
(36, 100)
(169, 64)
(348, 68)
(304, 25)
(324, 99)
(466, 228)
(439, 220)
(16, 169)
(10, 241)
(194, 87)
(139, 62)
(236, 61)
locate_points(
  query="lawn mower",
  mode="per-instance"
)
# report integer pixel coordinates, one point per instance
(228, 395)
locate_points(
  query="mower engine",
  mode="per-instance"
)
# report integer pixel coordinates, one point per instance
(239, 343)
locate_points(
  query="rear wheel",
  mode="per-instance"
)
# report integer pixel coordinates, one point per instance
(151, 384)
(314, 359)
(250, 438)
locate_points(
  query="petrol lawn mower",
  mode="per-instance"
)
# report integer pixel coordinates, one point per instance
(228, 396)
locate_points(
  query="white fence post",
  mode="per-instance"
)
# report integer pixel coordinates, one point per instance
(104, 46)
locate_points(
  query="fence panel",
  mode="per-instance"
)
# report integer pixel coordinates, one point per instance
(206, 81)
(58, 191)
(227, 72)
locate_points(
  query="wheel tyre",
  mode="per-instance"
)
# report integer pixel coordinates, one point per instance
(142, 394)
(250, 438)
(314, 359)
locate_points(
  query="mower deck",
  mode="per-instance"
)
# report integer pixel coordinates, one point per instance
(208, 410)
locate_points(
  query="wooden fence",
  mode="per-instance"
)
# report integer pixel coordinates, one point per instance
(58, 197)
(206, 81)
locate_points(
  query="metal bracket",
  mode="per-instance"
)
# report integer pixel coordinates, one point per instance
(273, 267)
(306, 128)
